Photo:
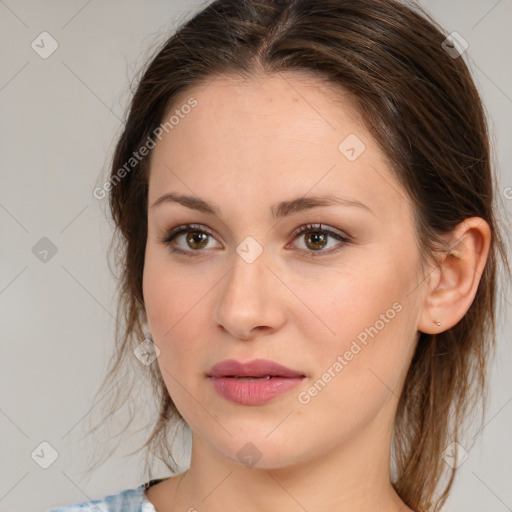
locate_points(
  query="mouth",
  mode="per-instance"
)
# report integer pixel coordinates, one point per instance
(249, 379)
(254, 369)
(254, 382)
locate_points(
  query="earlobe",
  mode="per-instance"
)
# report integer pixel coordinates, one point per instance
(457, 276)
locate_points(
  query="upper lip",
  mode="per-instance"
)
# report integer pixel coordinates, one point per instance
(253, 368)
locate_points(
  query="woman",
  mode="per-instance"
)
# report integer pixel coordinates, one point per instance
(304, 201)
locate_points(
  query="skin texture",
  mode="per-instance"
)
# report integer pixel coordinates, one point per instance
(246, 146)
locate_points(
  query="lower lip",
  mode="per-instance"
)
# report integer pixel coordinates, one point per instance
(255, 392)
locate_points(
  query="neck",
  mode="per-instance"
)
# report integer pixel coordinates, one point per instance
(353, 475)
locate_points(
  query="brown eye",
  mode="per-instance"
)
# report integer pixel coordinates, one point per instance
(197, 239)
(316, 240)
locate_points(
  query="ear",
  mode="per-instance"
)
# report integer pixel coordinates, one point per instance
(453, 283)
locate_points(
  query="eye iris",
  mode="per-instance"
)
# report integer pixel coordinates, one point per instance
(316, 237)
(196, 237)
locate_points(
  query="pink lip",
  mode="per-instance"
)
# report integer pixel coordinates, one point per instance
(225, 382)
(253, 368)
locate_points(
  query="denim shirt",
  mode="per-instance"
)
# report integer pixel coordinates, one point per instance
(129, 500)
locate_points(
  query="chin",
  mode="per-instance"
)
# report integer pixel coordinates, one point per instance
(259, 452)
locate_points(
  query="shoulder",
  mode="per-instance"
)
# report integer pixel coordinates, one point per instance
(128, 500)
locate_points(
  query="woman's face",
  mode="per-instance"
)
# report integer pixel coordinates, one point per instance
(342, 315)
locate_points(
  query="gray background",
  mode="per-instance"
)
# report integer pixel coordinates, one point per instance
(59, 119)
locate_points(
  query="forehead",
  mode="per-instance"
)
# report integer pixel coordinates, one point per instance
(271, 137)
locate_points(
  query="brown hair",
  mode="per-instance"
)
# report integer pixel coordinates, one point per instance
(423, 109)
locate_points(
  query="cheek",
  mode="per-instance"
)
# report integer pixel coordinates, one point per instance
(174, 302)
(372, 343)
(353, 300)
(169, 307)
(170, 294)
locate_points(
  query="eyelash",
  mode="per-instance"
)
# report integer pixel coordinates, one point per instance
(185, 228)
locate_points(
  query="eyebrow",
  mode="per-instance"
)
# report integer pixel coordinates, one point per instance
(279, 210)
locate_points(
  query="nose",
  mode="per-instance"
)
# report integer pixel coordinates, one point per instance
(249, 302)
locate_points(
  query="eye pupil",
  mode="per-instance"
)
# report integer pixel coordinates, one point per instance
(316, 238)
(196, 237)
